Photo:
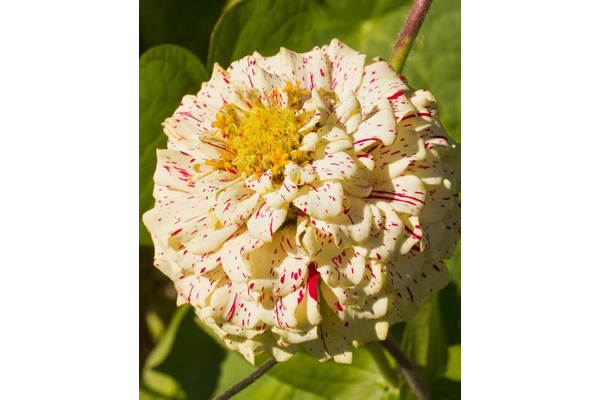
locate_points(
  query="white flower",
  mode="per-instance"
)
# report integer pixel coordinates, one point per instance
(305, 200)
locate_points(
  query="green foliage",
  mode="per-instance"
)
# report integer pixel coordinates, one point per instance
(369, 26)
(188, 361)
(167, 73)
(425, 341)
(183, 365)
(434, 62)
(187, 23)
(263, 26)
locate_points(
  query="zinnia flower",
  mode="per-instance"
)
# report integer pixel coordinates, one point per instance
(305, 200)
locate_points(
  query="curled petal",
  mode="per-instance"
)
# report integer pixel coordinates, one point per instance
(235, 256)
(265, 221)
(283, 194)
(346, 66)
(321, 200)
(386, 228)
(380, 128)
(404, 194)
(336, 166)
(261, 184)
(277, 267)
(235, 204)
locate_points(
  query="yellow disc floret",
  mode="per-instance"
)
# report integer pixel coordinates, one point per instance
(263, 138)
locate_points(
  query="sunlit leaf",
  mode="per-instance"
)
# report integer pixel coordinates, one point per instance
(263, 26)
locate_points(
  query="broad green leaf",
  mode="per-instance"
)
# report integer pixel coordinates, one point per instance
(449, 309)
(185, 362)
(453, 368)
(186, 23)
(167, 73)
(426, 339)
(434, 62)
(264, 26)
(235, 368)
(369, 26)
(454, 265)
(303, 377)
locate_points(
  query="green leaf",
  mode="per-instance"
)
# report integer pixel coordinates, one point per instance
(369, 26)
(426, 340)
(454, 265)
(167, 73)
(434, 62)
(186, 23)
(263, 26)
(184, 364)
(453, 368)
(303, 377)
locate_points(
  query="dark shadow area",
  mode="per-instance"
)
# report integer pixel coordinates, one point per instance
(193, 360)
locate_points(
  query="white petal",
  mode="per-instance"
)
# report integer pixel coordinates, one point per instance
(380, 81)
(209, 185)
(391, 161)
(440, 238)
(412, 234)
(383, 242)
(317, 243)
(283, 194)
(261, 184)
(345, 270)
(346, 115)
(196, 290)
(405, 194)
(297, 310)
(235, 256)
(363, 297)
(352, 226)
(218, 91)
(175, 168)
(440, 201)
(201, 235)
(192, 116)
(247, 71)
(198, 264)
(165, 220)
(263, 223)
(366, 160)
(347, 67)
(277, 267)
(380, 128)
(227, 307)
(300, 175)
(310, 69)
(321, 200)
(335, 166)
(358, 187)
(235, 203)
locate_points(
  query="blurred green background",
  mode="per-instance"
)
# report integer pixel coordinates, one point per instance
(180, 40)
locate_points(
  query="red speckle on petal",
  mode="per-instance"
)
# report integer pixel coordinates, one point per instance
(313, 280)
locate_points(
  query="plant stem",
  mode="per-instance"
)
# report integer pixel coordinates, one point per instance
(409, 32)
(247, 381)
(408, 371)
(379, 356)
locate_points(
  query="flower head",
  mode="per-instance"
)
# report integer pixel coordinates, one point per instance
(305, 200)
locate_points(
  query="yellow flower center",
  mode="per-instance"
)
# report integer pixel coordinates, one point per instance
(263, 138)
